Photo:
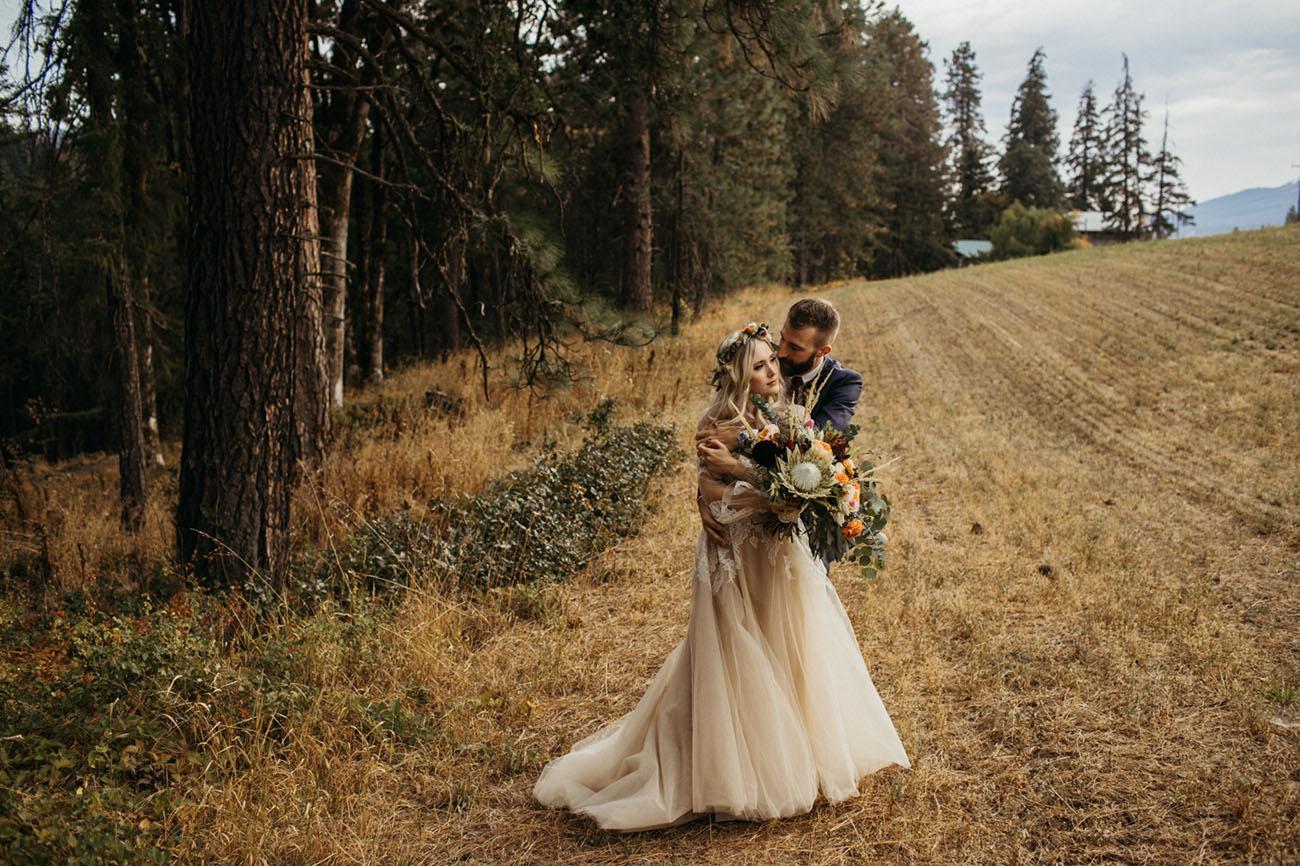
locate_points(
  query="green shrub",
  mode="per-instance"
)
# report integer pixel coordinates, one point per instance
(1030, 231)
(544, 522)
(88, 754)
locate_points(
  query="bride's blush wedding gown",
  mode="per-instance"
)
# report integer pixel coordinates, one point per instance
(765, 702)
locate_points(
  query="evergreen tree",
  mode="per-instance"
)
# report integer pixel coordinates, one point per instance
(1084, 158)
(1169, 210)
(836, 212)
(1127, 161)
(724, 183)
(1028, 163)
(912, 177)
(973, 210)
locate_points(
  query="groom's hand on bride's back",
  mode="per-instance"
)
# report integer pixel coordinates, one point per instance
(709, 489)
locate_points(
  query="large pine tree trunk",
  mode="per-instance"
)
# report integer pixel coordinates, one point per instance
(252, 265)
(638, 242)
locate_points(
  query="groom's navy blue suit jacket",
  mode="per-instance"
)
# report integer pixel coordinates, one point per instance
(839, 396)
(838, 399)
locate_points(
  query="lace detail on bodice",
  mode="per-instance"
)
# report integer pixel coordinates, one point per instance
(741, 510)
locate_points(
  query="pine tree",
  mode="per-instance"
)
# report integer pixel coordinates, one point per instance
(835, 211)
(727, 171)
(1028, 164)
(968, 153)
(1127, 161)
(913, 177)
(1084, 158)
(1171, 199)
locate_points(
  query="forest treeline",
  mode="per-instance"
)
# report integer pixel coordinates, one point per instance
(215, 217)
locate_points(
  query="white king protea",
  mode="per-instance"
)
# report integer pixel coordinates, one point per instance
(816, 488)
(806, 476)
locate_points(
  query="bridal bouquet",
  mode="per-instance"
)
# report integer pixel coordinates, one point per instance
(810, 477)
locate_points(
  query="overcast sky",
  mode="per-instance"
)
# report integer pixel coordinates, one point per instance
(1228, 71)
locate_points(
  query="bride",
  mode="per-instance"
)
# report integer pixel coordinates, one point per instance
(767, 700)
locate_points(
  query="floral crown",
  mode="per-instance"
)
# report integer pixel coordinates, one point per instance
(728, 352)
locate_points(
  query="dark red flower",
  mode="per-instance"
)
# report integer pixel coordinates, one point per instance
(766, 452)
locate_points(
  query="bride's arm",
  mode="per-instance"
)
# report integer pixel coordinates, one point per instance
(739, 495)
(723, 463)
(711, 488)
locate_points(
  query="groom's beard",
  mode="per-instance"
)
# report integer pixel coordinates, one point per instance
(790, 368)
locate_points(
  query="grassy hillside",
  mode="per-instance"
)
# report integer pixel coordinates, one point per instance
(1086, 634)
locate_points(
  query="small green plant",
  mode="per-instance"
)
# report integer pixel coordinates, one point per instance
(599, 418)
(1283, 693)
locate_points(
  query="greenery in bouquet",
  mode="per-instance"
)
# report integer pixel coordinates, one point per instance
(813, 481)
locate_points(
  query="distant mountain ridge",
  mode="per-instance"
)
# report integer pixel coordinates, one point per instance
(1247, 209)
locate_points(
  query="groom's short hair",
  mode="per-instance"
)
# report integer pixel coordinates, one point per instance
(818, 314)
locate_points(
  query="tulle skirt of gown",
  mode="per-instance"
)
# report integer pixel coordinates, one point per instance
(765, 702)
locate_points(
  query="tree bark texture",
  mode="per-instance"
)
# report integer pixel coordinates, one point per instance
(253, 265)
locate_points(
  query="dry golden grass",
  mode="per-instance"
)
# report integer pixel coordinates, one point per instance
(1087, 634)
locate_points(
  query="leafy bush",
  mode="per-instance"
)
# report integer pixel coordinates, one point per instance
(1030, 231)
(107, 719)
(544, 522)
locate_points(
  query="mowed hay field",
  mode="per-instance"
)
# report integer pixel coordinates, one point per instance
(1088, 632)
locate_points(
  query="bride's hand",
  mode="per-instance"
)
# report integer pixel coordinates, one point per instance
(728, 436)
(716, 458)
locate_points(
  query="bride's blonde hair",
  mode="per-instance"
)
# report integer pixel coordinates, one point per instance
(730, 406)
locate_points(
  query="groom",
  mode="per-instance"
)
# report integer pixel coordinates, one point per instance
(810, 328)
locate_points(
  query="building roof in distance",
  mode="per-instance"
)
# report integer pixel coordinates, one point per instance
(1088, 220)
(969, 249)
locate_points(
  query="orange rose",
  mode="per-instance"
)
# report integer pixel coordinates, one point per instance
(853, 528)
